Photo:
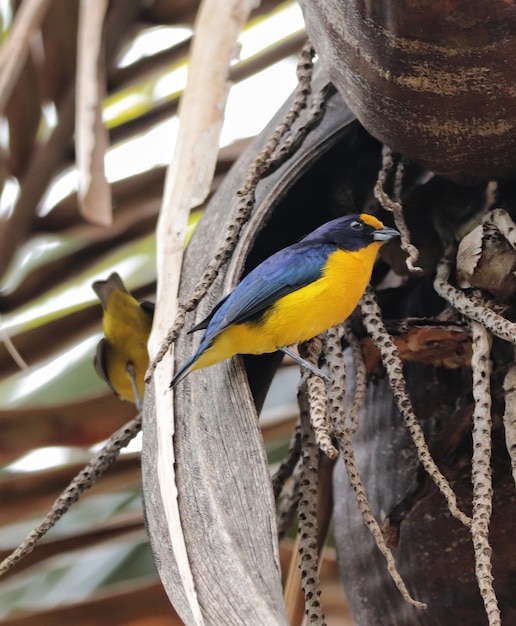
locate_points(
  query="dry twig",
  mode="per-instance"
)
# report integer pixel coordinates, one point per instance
(318, 399)
(480, 313)
(16, 48)
(343, 435)
(287, 508)
(360, 378)
(288, 464)
(394, 368)
(395, 206)
(307, 516)
(481, 469)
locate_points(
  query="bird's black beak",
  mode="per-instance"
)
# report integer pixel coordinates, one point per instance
(384, 234)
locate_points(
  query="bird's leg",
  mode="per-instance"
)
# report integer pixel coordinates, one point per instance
(305, 364)
(132, 375)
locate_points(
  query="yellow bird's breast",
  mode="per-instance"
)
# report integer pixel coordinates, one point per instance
(326, 302)
(126, 327)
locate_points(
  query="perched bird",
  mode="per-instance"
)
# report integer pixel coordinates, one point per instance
(293, 295)
(121, 358)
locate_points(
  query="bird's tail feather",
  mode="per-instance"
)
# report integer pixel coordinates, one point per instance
(184, 371)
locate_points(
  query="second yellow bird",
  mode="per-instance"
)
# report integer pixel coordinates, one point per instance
(122, 358)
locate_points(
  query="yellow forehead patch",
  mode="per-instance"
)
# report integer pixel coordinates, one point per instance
(372, 221)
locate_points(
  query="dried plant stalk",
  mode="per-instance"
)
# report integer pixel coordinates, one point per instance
(15, 50)
(318, 399)
(481, 469)
(307, 516)
(497, 324)
(344, 437)
(85, 479)
(360, 378)
(91, 136)
(334, 358)
(394, 368)
(288, 504)
(395, 207)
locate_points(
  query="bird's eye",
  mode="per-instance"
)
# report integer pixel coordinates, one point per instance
(357, 225)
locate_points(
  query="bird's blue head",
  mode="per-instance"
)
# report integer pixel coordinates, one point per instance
(353, 232)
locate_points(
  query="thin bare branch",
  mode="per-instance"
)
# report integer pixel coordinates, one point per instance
(394, 368)
(288, 504)
(497, 324)
(360, 378)
(395, 206)
(344, 437)
(288, 464)
(318, 398)
(11, 348)
(307, 516)
(481, 469)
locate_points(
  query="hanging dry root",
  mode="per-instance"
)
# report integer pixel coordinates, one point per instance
(360, 378)
(475, 311)
(394, 205)
(84, 480)
(344, 437)
(481, 469)
(394, 368)
(307, 519)
(270, 158)
(318, 399)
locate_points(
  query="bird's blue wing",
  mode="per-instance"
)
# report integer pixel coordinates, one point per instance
(286, 271)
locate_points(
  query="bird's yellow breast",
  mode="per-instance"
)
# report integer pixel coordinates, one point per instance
(302, 314)
(126, 327)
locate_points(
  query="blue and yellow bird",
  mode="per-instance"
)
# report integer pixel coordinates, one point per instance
(293, 295)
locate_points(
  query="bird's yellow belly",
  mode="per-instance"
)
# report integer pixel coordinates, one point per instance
(303, 314)
(127, 334)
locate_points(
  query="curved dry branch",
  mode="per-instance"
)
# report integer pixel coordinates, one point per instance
(343, 435)
(307, 517)
(481, 469)
(394, 367)
(395, 206)
(495, 323)
(318, 398)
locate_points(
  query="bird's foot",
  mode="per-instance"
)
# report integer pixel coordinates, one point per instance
(308, 367)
